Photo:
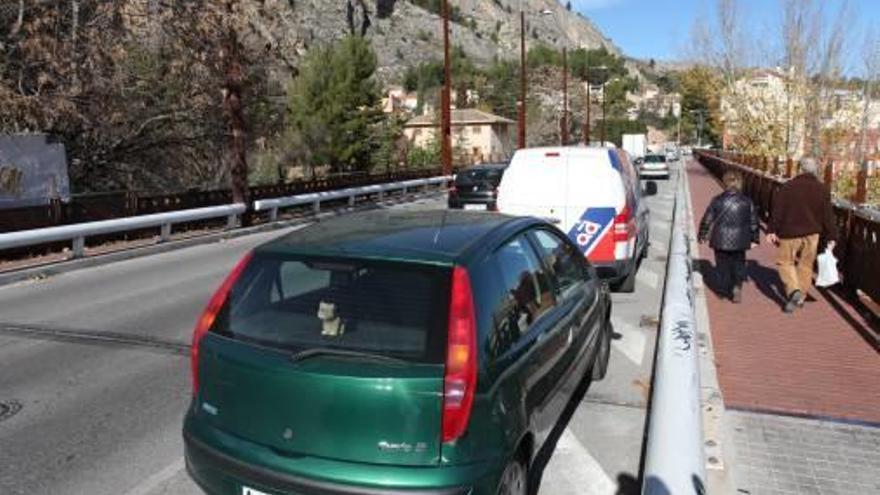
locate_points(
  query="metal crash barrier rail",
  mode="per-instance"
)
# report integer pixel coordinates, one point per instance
(315, 199)
(674, 460)
(77, 233)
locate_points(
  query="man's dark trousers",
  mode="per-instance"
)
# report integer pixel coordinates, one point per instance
(730, 267)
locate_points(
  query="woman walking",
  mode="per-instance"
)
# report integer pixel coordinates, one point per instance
(730, 224)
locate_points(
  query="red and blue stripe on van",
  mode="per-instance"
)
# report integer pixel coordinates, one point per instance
(590, 231)
(603, 234)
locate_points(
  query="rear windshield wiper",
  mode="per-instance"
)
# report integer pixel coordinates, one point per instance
(327, 351)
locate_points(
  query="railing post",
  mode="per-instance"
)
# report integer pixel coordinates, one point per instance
(316, 207)
(829, 173)
(352, 199)
(165, 232)
(862, 185)
(273, 214)
(789, 166)
(79, 247)
(231, 221)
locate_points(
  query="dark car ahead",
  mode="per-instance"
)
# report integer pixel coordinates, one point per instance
(393, 352)
(476, 188)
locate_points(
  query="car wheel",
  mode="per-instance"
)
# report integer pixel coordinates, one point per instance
(515, 479)
(629, 283)
(603, 355)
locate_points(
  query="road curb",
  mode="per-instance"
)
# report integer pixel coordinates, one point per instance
(66, 266)
(719, 446)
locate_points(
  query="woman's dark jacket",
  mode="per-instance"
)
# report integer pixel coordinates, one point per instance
(730, 222)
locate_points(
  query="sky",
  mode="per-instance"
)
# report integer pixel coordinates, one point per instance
(660, 29)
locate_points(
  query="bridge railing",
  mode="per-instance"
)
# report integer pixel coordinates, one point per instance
(858, 248)
(352, 193)
(77, 233)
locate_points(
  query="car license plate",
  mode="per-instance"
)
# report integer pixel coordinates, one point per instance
(246, 490)
(475, 207)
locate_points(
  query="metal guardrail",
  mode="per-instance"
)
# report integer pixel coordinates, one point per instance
(78, 232)
(315, 199)
(674, 460)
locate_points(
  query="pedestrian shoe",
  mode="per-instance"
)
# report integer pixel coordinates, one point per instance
(792, 302)
(736, 296)
(801, 300)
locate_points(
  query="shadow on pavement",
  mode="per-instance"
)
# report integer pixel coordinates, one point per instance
(627, 484)
(766, 280)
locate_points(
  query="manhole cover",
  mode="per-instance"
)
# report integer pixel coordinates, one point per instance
(8, 408)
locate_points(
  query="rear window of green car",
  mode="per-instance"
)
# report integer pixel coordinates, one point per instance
(299, 303)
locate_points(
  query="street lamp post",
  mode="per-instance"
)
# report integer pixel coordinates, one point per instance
(445, 111)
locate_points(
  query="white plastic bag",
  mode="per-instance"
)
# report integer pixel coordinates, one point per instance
(828, 275)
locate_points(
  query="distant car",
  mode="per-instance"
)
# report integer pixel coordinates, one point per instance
(655, 166)
(687, 151)
(593, 194)
(476, 188)
(393, 352)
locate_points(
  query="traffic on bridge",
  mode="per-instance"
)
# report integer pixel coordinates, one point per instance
(437, 247)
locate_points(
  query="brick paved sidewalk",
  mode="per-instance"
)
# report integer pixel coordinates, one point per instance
(812, 363)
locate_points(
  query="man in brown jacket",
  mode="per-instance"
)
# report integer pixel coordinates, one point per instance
(802, 213)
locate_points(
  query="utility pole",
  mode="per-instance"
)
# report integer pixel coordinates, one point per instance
(604, 100)
(522, 79)
(445, 111)
(564, 134)
(589, 101)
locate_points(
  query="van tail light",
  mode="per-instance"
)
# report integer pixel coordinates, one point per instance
(623, 225)
(460, 377)
(203, 325)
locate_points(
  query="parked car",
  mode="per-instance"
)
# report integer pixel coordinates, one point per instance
(592, 194)
(393, 352)
(476, 188)
(655, 166)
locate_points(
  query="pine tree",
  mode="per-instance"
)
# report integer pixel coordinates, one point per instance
(333, 105)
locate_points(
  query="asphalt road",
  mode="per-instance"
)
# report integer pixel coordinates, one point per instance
(94, 376)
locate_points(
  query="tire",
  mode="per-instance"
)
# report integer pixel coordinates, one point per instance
(628, 284)
(515, 479)
(603, 354)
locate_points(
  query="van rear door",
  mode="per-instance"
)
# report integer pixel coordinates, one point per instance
(594, 189)
(534, 185)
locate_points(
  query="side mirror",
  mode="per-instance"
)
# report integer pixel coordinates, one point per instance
(651, 188)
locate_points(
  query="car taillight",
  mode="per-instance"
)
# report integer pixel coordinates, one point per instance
(203, 325)
(460, 378)
(623, 225)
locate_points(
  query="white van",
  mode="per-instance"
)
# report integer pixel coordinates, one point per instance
(593, 194)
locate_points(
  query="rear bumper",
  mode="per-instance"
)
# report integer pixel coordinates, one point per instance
(458, 201)
(654, 174)
(612, 270)
(222, 464)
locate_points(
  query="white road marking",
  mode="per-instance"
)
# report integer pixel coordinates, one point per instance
(148, 485)
(632, 341)
(574, 471)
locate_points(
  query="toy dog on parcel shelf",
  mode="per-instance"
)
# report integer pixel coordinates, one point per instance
(333, 326)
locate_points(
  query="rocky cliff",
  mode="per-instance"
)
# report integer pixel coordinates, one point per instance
(406, 32)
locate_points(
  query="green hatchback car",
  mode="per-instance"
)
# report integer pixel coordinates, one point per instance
(393, 352)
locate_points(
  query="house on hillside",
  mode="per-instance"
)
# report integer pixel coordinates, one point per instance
(480, 136)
